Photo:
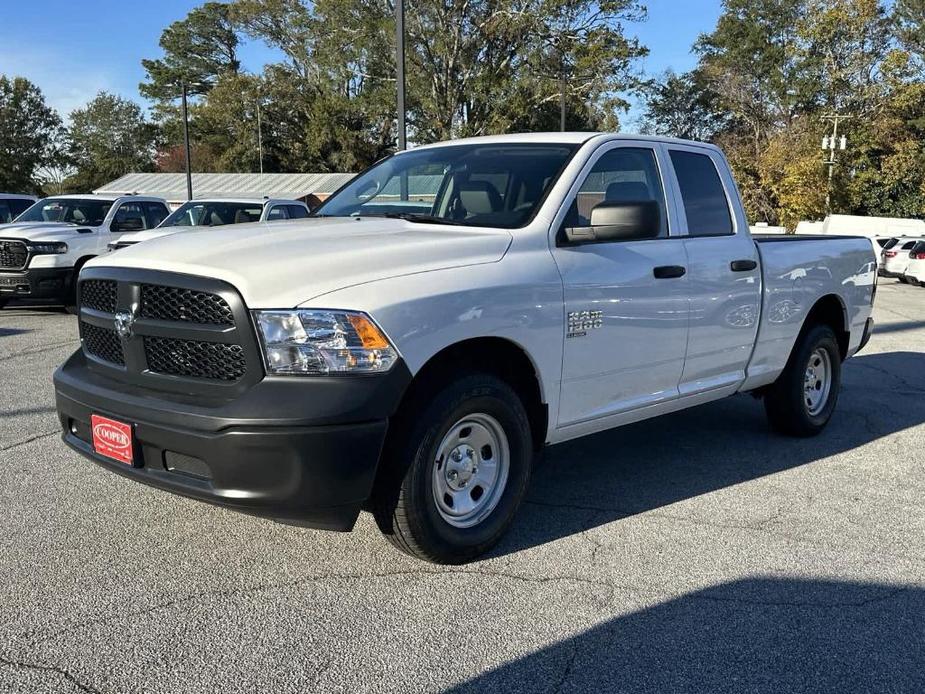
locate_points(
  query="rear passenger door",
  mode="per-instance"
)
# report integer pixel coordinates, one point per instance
(626, 302)
(724, 273)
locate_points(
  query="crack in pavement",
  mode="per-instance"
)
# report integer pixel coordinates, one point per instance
(31, 637)
(39, 350)
(759, 526)
(29, 439)
(49, 668)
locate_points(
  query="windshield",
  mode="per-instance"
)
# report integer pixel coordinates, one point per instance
(471, 185)
(68, 211)
(200, 213)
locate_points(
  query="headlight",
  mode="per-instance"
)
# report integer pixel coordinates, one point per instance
(42, 248)
(312, 342)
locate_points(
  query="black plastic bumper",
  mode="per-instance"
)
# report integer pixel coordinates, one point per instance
(298, 450)
(36, 283)
(868, 329)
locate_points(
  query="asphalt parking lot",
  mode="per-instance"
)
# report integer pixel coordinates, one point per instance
(696, 552)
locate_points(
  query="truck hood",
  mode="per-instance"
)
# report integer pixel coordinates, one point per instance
(148, 234)
(282, 265)
(41, 231)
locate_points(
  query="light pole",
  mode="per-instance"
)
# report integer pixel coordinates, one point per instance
(829, 145)
(189, 175)
(259, 137)
(400, 70)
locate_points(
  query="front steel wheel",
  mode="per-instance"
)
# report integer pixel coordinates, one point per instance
(470, 470)
(456, 468)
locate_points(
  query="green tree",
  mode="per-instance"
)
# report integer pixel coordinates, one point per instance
(909, 18)
(197, 51)
(682, 106)
(109, 138)
(30, 135)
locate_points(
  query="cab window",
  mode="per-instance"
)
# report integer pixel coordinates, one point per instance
(705, 203)
(624, 174)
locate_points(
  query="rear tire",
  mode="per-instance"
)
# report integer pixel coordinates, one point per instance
(457, 471)
(802, 399)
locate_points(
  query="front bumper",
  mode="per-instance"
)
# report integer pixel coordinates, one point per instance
(298, 450)
(36, 283)
(865, 338)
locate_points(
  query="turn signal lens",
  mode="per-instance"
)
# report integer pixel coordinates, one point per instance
(370, 336)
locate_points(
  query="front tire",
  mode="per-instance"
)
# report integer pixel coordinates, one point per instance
(802, 399)
(460, 467)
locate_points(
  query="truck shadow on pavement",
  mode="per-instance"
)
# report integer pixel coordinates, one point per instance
(755, 635)
(599, 479)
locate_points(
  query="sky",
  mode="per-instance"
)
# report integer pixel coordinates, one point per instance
(73, 49)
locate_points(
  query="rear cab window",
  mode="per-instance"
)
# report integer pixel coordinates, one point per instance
(297, 212)
(705, 204)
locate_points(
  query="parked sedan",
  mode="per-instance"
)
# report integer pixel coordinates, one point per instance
(897, 258)
(915, 269)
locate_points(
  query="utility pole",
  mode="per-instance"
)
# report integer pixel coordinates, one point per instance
(259, 137)
(829, 144)
(400, 70)
(189, 175)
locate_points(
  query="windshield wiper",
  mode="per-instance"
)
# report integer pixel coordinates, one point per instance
(420, 218)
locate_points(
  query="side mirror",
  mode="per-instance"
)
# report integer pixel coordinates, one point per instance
(617, 221)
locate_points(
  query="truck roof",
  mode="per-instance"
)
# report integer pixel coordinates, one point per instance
(563, 138)
(251, 201)
(104, 197)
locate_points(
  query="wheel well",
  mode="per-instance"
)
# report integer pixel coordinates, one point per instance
(498, 356)
(829, 311)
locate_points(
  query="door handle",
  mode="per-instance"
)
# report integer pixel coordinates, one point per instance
(743, 265)
(664, 272)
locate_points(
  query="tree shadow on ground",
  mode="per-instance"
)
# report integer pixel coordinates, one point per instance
(644, 466)
(753, 635)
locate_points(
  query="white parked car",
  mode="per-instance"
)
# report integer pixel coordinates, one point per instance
(204, 214)
(41, 253)
(915, 269)
(896, 259)
(412, 363)
(13, 204)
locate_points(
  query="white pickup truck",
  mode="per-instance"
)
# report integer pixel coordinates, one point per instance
(41, 253)
(217, 212)
(505, 293)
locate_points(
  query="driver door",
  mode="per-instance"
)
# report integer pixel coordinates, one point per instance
(626, 301)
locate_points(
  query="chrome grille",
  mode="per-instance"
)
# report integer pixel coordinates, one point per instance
(13, 255)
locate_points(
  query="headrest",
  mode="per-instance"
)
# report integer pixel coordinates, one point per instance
(78, 217)
(627, 191)
(480, 197)
(215, 220)
(244, 216)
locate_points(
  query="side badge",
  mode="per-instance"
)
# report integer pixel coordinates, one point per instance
(580, 322)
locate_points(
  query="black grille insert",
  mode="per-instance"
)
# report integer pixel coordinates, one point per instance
(13, 255)
(102, 344)
(185, 305)
(99, 295)
(194, 358)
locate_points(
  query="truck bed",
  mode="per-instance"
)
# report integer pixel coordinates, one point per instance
(796, 271)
